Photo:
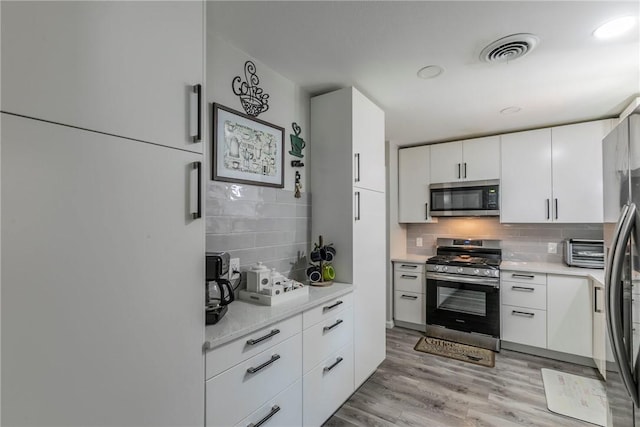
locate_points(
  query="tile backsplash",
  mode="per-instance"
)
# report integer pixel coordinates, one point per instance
(520, 242)
(259, 224)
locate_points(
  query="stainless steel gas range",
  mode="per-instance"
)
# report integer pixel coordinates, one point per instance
(463, 292)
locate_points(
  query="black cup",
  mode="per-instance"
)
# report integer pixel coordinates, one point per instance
(314, 274)
(316, 255)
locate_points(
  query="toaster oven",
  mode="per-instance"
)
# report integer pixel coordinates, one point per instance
(584, 253)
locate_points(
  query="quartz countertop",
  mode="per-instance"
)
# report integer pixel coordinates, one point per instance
(411, 258)
(243, 317)
(553, 268)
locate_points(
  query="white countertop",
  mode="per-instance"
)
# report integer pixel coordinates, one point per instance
(411, 258)
(242, 318)
(553, 268)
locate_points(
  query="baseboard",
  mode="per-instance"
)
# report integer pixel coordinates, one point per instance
(390, 324)
(408, 325)
(549, 354)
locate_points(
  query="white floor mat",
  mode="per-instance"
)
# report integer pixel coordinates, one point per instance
(575, 396)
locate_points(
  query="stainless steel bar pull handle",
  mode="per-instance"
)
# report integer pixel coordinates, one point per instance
(357, 206)
(548, 213)
(522, 313)
(357, 161)
(409, 296)
(408, 276)
(522, 289)
(269, 335)
(595, 300)
(332, 306)
(196, 212)
(333, 365)
(458, 170)
(465, 169)
(408, 266)
(328, 328)
(197, 90)
(556, 206)
(523, 276)
(426, 211)
(264, 365)
(274, 410)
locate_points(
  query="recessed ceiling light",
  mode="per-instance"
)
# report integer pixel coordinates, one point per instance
(615, 27)
(510, 110)
(430, 71)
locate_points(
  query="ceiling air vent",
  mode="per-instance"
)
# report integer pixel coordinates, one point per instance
(509, 48)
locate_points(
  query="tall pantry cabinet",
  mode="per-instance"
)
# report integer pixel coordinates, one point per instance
(348, 210)
(102, 246)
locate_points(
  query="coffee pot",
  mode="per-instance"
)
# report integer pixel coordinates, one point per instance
(218, 290)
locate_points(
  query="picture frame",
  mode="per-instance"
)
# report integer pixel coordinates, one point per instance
(246, 150)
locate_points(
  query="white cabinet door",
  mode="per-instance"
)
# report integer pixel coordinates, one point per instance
(446, 162)
(569, 320)
(409, 307)
(481, 158)
(577, 172)
(368, 143)
(123, 68)
(413, 184)
(102, 280)
(599, 329)
(369, 280)
(525, 187)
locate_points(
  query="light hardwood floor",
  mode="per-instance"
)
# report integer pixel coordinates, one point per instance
(412, 388)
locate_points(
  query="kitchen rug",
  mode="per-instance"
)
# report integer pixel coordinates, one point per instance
(575, 396)
(454, 350)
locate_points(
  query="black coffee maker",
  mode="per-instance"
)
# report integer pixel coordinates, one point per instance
(219, 292)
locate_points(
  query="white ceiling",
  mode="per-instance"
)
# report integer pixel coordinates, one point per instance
(379, 46)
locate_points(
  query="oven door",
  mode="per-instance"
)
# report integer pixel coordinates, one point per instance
(464, 303)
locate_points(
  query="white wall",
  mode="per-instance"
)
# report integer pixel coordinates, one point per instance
(288, 103)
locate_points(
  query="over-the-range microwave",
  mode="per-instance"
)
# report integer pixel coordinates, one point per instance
(469, 198)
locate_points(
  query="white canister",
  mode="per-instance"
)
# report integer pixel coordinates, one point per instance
(258, 277)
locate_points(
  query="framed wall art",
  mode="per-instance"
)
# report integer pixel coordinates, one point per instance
(246, 150)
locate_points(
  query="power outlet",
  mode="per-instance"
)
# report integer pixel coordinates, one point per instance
(234, 265)
(552, 248)
(419, 242)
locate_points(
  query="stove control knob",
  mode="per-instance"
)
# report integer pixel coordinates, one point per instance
(487, 272)
(476, 271)
(460, 269)
(445, 268)
(438, 267)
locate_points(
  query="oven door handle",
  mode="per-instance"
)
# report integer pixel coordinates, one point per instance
(482, 281)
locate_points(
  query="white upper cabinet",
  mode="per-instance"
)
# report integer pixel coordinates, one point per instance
(553, 174)
(577, 171)
(469, 160)
(526, 177)
(124, 68)
(368, 128)
(413, 184)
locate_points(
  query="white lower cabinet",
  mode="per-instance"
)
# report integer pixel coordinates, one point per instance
(569, 319)
(237, 392)
(284, 410)
(410, 287)
(327, 386)
(294, 372)
(524, 325)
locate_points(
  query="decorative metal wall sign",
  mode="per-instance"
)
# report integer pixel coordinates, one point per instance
(253, 99)
(297, 143)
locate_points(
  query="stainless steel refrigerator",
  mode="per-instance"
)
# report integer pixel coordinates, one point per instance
(621, 179)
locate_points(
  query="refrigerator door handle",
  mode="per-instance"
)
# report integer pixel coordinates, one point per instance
(612, 250)
(614, 314)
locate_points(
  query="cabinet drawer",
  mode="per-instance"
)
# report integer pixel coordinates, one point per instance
(326, 310)
(409, 282)
(284, 410)
(409, 307)
(524, 295)
(524, 325)
(222, 358)
(327, 386)
(524, 277)
(326, 337)
(236, 393)
(411, 267)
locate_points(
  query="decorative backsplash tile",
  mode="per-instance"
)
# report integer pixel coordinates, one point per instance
(520, 242)
(259, 224)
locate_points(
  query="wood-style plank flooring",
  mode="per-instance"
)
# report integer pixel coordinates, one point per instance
(412, 388)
